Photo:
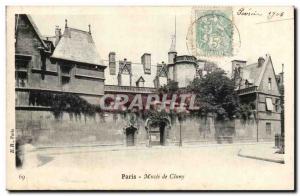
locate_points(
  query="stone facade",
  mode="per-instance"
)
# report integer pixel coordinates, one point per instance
(109, 129)
(37, 69)
(44, 65)
(257, 85)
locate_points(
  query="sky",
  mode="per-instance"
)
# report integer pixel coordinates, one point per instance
(132, 31)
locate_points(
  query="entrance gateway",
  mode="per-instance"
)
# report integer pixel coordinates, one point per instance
(157, 131)
(157, 136)
(130, 136)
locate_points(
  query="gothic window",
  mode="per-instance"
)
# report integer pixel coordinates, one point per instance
(21, 66)
(125, 67)
(270, 84)
(65, 74)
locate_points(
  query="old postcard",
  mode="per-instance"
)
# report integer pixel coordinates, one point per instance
(150, 98)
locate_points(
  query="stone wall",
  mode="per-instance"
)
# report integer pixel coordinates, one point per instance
(108, 129)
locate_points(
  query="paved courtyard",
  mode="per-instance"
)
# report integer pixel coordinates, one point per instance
(194, 167)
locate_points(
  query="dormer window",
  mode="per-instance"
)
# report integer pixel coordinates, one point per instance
(140, 82)
(49, 47)
(125, 67)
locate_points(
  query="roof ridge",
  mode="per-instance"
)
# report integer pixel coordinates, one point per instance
(77, 45)
(71, 28)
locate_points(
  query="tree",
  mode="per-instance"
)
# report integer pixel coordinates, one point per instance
(215, 95)
(171, 87)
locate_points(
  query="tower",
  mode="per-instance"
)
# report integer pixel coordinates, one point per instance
(112, 63)
(171, 57)
(172, 52)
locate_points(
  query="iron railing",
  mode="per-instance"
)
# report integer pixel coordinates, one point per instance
(128, 89)
(247, 90)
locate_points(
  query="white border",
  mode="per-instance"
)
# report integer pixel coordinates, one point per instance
(4, 3)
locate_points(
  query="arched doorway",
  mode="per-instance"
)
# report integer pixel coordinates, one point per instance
(130, 135)
(157, 131)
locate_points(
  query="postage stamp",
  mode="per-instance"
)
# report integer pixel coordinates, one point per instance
(214, 32)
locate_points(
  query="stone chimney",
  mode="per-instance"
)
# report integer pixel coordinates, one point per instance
(112, 63)
(146, 61)
(260, 61)
(236, 67)
(57, 35)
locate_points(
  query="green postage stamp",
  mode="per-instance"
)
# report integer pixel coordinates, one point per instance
(214, 32)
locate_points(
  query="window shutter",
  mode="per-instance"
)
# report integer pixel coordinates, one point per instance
(269, 104)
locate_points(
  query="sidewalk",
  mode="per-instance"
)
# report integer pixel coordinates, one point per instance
(36, 157)
(97, 148)
(264, 154)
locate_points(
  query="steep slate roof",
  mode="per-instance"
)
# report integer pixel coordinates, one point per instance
(77, 45)
(253, 73)
(35, 29)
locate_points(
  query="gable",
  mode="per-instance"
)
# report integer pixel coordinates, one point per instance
(163, 72)
(125, 67)
(27, 36)
(269, 74)
(141, 79)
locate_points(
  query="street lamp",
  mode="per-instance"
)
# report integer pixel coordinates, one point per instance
(180, 134)
(181, 113)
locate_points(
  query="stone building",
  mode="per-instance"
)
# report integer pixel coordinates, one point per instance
(60, 65)
(53, 65)
(68, 62)
(257, 86)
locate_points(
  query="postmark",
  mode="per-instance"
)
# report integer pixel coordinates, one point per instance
(212, 33)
